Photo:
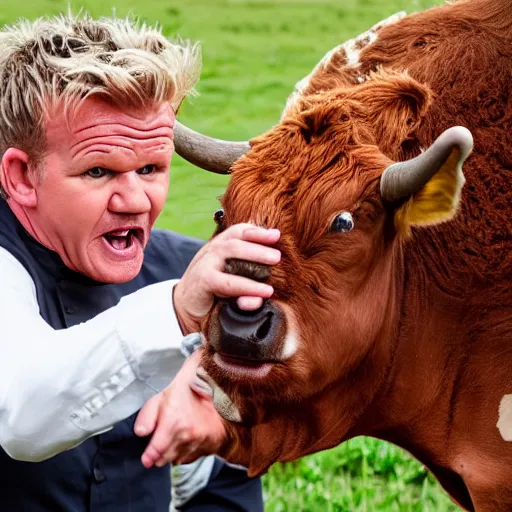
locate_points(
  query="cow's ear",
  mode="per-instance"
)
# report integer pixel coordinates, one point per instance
(396, 104)
(428, 187)
(437, 201)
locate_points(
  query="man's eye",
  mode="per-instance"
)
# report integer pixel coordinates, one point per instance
(147, 169)
(97, 172)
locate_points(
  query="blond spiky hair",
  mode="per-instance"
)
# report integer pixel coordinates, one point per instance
(63, 60)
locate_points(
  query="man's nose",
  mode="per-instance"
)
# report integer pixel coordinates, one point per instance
(130, 195)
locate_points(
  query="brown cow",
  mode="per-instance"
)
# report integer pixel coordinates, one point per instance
(386, 321)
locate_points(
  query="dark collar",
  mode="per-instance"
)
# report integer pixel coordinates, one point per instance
(50, 260)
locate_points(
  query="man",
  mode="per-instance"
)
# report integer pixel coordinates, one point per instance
(92, 316)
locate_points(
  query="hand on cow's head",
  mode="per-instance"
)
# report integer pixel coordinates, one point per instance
(316, 178)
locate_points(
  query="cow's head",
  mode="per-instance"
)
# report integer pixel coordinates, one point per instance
(327, 177)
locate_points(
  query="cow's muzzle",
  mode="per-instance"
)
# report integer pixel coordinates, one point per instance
(249, 335)
(242, 342)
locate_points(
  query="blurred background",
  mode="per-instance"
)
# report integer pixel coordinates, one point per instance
(254, 51)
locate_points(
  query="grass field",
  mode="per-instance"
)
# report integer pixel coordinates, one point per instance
(254, 51)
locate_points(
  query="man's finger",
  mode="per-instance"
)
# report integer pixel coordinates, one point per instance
(249, 303)
(184, 453)
(147, 417)
(251, 233)
(235, 231)
(162, 440)
(201, 388)
(245, 250)
(267, 236)
(229, 285)
(150, 456)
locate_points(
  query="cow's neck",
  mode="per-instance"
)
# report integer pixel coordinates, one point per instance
(295, 429)
(413, 403)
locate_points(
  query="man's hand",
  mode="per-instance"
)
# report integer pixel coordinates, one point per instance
(182, 419)
(205, 277)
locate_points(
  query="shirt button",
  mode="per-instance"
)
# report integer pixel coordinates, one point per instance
(99, 477)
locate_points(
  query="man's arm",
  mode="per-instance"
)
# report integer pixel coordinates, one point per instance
(59, 387)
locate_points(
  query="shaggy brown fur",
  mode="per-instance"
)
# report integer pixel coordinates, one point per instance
(407, 340)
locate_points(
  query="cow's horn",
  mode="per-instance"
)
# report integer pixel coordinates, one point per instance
(402, 179)
(211, 154)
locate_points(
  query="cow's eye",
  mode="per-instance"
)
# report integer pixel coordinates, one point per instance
(218, 216)
(342, 223)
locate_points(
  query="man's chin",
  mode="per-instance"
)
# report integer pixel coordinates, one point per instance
(115, 267)
(110, 272)
(118, 273)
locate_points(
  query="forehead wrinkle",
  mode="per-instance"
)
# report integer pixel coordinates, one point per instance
(119, 130)
(104, 149)
(97, 118)
(94, 112)
(111, 143)
(143, 124)
(122, 130)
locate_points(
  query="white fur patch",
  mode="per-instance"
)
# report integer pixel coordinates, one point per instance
(505, 418)
(225, 407)
(290, 346)
(352, 49)
(291, 341)
(354, 46)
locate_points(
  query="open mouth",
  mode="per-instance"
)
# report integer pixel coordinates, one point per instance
(242, 367)
(123, 239)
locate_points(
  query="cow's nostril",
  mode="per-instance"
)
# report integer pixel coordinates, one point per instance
(264, 328)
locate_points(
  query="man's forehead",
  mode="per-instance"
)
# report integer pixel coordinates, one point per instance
(95, 117)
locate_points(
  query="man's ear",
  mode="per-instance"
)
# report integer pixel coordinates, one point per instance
(396, 104)
(17, 181)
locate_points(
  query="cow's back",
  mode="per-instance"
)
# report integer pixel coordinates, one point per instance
(463, 52)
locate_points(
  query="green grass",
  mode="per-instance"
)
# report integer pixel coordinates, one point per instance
(362, 475)
(254, 52)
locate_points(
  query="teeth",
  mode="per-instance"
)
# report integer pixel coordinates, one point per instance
(119, 233)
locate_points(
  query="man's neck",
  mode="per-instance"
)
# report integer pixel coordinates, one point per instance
(28, 223)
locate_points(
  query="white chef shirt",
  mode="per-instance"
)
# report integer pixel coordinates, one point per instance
(59, 387)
